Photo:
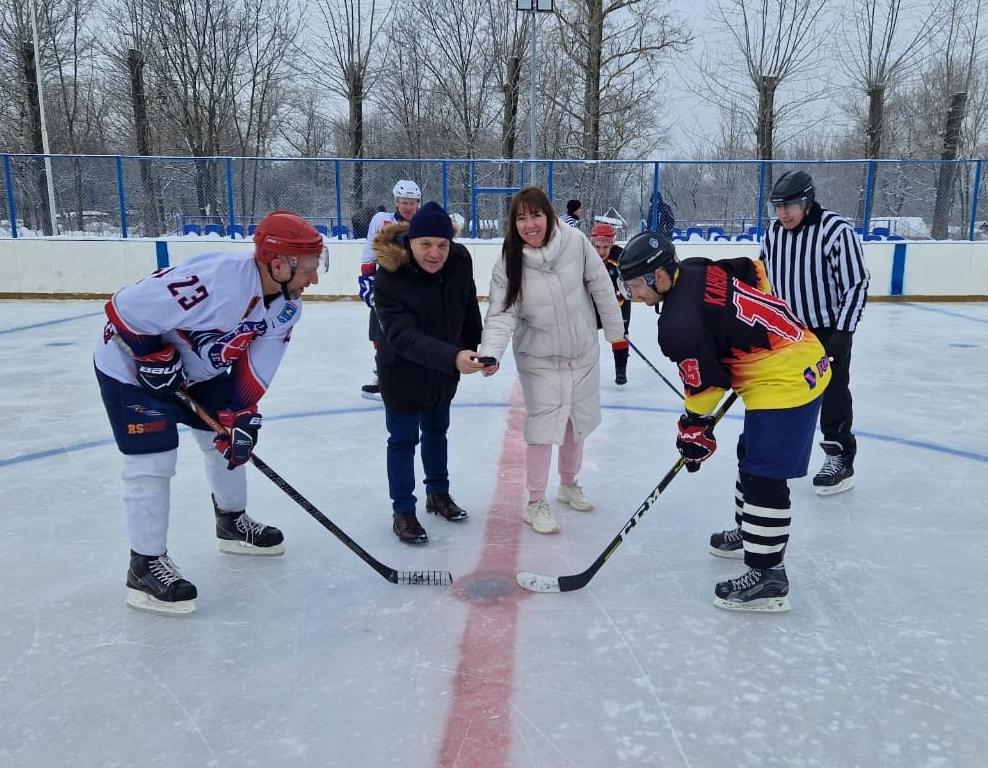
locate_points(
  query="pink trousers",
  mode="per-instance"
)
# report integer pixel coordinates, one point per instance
(538, 458)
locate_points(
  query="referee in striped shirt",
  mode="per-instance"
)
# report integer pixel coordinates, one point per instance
(815, 262)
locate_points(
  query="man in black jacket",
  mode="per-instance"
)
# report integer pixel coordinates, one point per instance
(426, 303)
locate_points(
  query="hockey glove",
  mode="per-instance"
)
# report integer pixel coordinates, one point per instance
(696, 441)
(161, 372)
(237, 445)
(839, 344)
(366, 283)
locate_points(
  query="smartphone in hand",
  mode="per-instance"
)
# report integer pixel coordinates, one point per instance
(486, 360)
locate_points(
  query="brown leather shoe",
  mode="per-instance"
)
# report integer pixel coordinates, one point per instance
(408, 529)
(442, 504)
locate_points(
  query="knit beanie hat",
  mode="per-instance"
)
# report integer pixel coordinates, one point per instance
(602, 229)
(572, 206)
(431, 221)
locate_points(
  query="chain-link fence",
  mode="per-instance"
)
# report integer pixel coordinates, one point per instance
(128, 196)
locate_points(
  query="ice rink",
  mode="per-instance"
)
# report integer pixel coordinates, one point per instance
(313, 660)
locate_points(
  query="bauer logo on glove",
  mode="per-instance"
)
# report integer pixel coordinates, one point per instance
(696, 441)
(160, 372)
(237, 444)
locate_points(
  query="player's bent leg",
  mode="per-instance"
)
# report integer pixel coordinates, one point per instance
(237, 533)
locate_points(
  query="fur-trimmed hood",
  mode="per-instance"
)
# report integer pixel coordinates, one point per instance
(390, 247)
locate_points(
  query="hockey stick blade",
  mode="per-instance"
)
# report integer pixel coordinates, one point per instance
(425, 578)
(536, 582)
(416, 578)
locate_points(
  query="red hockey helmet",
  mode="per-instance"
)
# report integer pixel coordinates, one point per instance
(603, 229)
(283, 233)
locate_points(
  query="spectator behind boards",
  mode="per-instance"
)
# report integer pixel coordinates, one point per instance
(574, 210)
(665, 215)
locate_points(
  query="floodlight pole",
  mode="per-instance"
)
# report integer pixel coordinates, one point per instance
(535, 6)
(44, 125)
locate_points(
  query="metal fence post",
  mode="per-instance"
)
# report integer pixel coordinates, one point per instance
(655, 197)
(11, 204)
(473, 198)
(763, 169)
(229, 196)
(869, 181)
(974, 199)
(337, 175)
(122, 194)
(445, 184)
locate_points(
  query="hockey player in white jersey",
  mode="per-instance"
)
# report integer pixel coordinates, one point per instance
(217, 324)
(407, 196)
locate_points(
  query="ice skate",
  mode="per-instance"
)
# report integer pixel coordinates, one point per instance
(837, 473)
(154, 584)
(760, 589)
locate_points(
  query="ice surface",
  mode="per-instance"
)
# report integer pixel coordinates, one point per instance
(313, 659)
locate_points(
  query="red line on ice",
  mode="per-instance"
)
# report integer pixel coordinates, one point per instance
(478, 733)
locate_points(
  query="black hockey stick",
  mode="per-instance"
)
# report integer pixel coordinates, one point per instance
(649, 364)
(432, 578)
(535, 582)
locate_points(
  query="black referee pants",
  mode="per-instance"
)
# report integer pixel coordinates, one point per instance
(836, 412)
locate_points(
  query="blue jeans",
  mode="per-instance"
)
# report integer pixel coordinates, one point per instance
(404, 429)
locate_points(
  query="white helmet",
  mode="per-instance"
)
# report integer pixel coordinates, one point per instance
(409, 189)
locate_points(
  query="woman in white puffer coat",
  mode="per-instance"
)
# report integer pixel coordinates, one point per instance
(540, 300)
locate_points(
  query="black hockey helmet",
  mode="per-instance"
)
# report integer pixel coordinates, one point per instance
(793, 186)
(645, 253)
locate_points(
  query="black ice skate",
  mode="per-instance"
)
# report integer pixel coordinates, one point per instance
(154, 584)
(239, 534)
(371, 391)
(760, 589)
(727, 544)
(837, 473)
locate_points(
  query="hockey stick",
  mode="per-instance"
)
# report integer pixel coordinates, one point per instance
(432, 578)
(649, 364)
(535, 582)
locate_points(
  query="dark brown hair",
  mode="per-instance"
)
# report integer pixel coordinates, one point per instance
(530, 199)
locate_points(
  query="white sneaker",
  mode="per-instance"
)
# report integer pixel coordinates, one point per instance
(574, 496)
(540, 517)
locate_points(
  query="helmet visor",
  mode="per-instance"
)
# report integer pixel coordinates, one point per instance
(796, 202)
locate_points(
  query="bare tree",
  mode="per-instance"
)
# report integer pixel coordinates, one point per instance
(462, 65)
(216, 67)
(777, 42)
(354, 52)
(881, 44)
(79, 102)
(615, 48)
(878, 50)
(959, 58)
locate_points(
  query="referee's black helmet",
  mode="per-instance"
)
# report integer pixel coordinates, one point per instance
(792, 186)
